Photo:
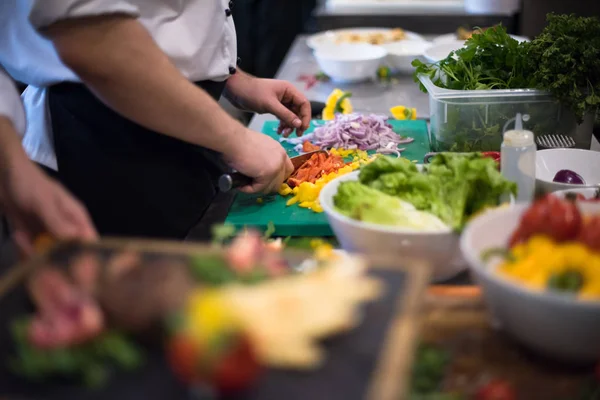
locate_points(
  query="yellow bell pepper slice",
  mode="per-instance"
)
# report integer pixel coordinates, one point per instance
(404, 113)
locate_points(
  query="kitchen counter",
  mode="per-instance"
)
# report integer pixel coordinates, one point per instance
(367, 97)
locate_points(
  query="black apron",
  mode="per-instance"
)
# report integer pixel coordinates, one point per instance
(133, 181)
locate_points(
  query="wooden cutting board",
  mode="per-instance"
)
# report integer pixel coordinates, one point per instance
(455, 320)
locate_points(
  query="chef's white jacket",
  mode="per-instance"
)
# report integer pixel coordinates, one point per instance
(197, 35)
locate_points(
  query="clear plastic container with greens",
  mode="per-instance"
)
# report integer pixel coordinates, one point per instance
(473, 120)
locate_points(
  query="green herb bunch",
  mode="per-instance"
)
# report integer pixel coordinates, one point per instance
(565, 61)
(491, 59)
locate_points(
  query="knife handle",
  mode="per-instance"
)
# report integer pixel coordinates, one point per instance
(233, 181)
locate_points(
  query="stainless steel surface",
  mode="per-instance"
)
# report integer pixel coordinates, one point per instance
(555, 141)
(367, 97)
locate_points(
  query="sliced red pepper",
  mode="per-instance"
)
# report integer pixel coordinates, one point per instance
(496, 390)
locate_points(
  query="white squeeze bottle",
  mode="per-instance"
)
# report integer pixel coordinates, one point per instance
(517, 159)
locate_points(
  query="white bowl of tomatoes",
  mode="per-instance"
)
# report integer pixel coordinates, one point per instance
(559, 324)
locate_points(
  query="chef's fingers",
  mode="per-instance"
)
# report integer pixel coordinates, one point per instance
(23, 242)
(297, 102)
(79, 218)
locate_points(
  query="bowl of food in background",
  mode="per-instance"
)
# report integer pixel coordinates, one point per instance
(401, 54)
(375, 36)
(347, 63)
(438, 52)
(392, 206)
(539, 268)
(567, 169)
(463, 34)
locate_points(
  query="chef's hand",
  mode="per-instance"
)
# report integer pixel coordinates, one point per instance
(262, 158)
(35, 204)
(272, 96)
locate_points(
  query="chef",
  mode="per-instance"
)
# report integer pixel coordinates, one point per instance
(122, 105)
(30, 200)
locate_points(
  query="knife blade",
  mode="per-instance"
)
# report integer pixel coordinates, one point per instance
(237, 179)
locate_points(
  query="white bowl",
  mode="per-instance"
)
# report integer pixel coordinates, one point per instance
(328, 38)
(401, 54)
(440, 51)
(558, 326)
(350, 62)
(441, 249)
(451, 37)
(548, 162)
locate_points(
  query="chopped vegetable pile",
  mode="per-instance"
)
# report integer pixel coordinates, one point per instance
(453, 187)
(362, 132)
(317, 166)
(305, 186)
(555, 247)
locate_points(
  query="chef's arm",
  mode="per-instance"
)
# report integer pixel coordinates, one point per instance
(12, 120)
(118, 59)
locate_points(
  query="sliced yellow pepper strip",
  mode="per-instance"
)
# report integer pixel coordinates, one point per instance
(404, 113)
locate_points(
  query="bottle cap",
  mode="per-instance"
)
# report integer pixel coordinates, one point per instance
(518, 138)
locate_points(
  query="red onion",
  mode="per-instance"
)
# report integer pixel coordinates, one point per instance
(356, 131)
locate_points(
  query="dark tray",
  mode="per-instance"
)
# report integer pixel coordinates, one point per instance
(370, 362)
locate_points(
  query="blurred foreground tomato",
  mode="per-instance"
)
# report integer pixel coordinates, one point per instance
(228, 367)
(556, 218)
(496, 390)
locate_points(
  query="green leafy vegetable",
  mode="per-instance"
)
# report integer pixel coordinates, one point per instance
(452, 187)
(269, 231)
(91, 363)
(222, 233)
(565, 61)
(428, 371)
(212, 270)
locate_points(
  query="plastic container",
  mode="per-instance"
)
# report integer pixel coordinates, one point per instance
(472, 120)
(518, 160)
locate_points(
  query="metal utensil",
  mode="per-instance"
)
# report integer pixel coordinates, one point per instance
(557, 141)
(237, 179)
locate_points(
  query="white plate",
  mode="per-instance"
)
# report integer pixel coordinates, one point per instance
(440, 51)
(451, 37)
(329, 37)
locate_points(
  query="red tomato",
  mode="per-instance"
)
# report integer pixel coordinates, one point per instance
(182, 355)
(590, 233)
(496, 390)
(559, 219)
(237, 368)
(234, 369)
(492, 154)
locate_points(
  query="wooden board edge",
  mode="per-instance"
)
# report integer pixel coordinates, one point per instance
(392, 375)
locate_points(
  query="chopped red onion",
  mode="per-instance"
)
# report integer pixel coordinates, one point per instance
(356, 131)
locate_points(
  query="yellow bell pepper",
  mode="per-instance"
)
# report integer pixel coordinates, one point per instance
(403, 113)
(337, 103)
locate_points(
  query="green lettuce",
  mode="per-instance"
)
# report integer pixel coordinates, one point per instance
(453, 187)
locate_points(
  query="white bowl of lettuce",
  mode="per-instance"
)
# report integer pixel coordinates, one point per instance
(394, 207)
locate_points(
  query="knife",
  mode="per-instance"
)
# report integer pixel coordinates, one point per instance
(237, 179)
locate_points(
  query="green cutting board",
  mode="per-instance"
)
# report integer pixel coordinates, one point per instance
(248, 211)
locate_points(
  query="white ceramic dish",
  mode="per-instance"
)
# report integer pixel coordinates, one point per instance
(548, 162)
(350, 62)
(328, 38)
(441, 249)
(438, 52)
(452, 37)
(401, 54)
(588, 193)
(558, 326)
